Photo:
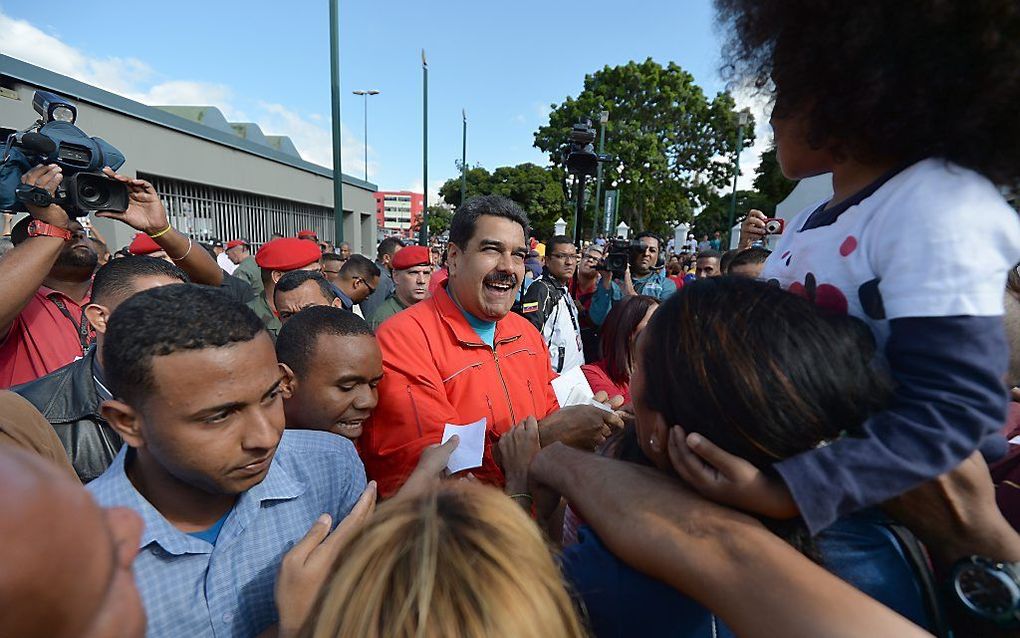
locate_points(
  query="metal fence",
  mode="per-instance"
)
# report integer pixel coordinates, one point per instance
(206, 212)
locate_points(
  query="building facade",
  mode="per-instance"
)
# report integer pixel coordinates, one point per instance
(398, 212)
(217, 179)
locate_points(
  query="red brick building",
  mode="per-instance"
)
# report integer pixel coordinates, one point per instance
(398, 212)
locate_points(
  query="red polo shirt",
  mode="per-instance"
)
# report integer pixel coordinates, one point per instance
(42, 338)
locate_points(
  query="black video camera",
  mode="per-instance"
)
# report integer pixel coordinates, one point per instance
(618, 254)
(54, 139)
(579, 153)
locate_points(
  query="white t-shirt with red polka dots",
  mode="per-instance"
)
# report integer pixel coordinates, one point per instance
(934, 240)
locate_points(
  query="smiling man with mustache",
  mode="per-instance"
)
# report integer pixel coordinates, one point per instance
(461, 356)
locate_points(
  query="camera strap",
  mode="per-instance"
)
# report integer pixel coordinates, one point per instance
(81, 326)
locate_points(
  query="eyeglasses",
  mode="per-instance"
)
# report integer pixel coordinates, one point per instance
(364, 282)
(565, 256)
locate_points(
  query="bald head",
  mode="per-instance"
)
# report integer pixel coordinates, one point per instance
(67, 562)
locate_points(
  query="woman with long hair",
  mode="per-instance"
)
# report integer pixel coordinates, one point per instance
(765, 375)
(617, 342)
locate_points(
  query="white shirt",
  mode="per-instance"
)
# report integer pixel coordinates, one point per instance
(936, 240)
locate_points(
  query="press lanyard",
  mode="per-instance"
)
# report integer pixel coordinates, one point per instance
(82, 326)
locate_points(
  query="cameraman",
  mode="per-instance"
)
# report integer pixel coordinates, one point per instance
(47, 277)
(641, 278)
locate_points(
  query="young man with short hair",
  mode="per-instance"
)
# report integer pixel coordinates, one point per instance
(412, 271)
(331, 265)
(275, 259)
(388, 248)
(337, 368)
(300, 289)
(748, 262)
(359, 279)
(549, 307)
(708, 264)
(224, 492)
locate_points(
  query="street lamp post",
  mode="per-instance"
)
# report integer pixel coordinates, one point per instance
(366, 94)
(463, 159)
(603, 119)
(423, 232)
(334, 76)
(743, 117)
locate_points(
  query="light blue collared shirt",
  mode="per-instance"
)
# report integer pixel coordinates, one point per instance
(195, 589)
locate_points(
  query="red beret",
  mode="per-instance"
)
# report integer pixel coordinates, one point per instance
(302, 234)
(143, 245)
(287, 253)
(411, 256)
(234, 243)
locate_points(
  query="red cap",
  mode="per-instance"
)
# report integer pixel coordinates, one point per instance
(411, 256)
(287, 253)
(234, 243)
(306, 234)
(143, 245)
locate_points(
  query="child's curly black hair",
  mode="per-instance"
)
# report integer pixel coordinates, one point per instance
(889, 79)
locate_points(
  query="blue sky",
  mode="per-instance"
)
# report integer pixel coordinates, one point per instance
(268, 62)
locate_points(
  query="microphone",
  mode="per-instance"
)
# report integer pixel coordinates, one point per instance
(36, 143)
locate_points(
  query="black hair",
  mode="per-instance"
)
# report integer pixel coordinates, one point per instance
(879, 80)
(648, 233)
(748, 256)
(462, 226)
(296, 278)
(388, 246)
(117, 277)
(295, 345)
(359, 266)
(332, 257)
(710, 253)
(165, 320)
(557, 240)
(768, 374)
(727, 259)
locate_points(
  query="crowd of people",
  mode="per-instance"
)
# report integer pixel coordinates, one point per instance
(290, 439)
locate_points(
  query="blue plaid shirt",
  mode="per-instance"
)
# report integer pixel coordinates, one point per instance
(194, 589)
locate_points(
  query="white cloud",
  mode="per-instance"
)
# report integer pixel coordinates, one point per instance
(434, 187)
(542, 110)
(761, 109)
(135, 80)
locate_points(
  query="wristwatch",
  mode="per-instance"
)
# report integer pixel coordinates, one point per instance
(988, 589)
(42, 229)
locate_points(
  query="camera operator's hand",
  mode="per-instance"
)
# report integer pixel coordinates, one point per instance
(145, 211)
(628, 283)
(752, 229)
(48, 178)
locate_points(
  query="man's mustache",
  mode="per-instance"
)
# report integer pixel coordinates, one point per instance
(500, 278)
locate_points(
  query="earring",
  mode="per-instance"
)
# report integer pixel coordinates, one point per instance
(653, 444)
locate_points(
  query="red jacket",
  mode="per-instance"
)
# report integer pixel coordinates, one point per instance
(438, 371)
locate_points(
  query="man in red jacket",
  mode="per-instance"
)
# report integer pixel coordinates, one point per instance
(462, 355)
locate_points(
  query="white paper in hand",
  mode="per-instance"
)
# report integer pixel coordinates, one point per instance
(572, 388)
(469, 450)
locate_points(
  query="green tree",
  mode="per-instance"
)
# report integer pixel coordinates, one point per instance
(671, 145)
(439, 219)
(479, 182)
(537, 189)
(770, 183)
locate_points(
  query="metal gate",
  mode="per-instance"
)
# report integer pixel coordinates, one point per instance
(209, 212)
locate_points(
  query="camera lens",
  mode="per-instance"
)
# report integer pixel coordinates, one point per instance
(92, 195)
